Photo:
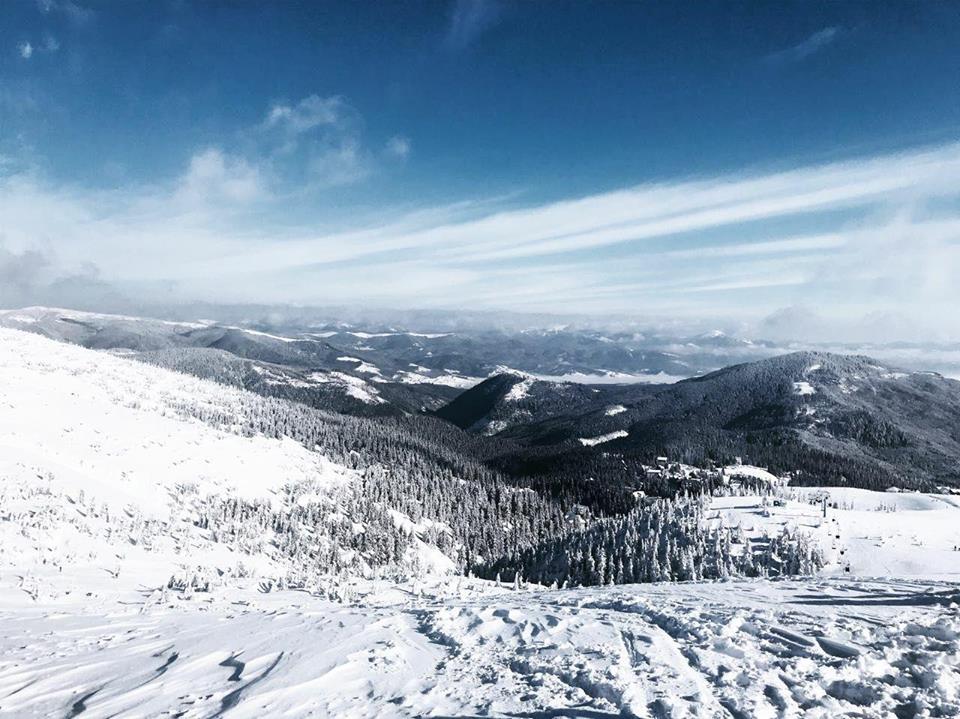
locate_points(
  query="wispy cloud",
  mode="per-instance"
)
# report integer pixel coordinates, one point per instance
(75, 12)
(297, 149)
(310, 113)
(398, 147)
(469, 19)
(871, 233)
(811, 45)
(317, 142)
(828, 241)
(633, 215)
(27, 49)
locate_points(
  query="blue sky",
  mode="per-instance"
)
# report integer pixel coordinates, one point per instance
(671, 159)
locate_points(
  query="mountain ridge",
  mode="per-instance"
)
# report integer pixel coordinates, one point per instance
(845, 410)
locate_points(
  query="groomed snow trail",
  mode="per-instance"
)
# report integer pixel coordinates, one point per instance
(813, 648)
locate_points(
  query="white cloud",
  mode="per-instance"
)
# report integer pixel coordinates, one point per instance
(215, 175)
(398, 147)
(318, 142)
(887, 237)
(299, 149)
(310, 113)
(342, 163)
(628, 217)
(27, 50)
(827, 241)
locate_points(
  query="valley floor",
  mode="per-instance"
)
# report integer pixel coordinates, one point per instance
(826, 647)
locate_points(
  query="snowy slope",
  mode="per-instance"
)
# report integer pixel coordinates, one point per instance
(99, 466)
(817, 649)
(100, 475)
(864, 533)
(117, 423)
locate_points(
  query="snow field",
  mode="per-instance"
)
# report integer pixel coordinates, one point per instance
(870, 534)
(447, 647)
(609, 437)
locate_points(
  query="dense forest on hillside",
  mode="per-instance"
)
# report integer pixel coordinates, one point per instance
(522, 475)
(658, 540)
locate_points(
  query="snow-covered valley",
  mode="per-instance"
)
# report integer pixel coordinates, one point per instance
(119, 598)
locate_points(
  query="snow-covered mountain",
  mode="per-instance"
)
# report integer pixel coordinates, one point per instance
(304, 367)
(511, 398)
(174, 546)
(107, 462)
(412, 368)
(832, 418)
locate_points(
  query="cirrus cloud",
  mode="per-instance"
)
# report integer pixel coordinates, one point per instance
(807, 47)
(869, 234)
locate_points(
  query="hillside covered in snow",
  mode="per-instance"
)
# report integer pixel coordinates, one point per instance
(101, 452)
(172, 546)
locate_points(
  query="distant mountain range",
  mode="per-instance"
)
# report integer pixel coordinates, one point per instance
(829, 418)
(305, 368)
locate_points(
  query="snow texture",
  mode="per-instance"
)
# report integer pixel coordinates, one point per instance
(811, 648)
(519, 391)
